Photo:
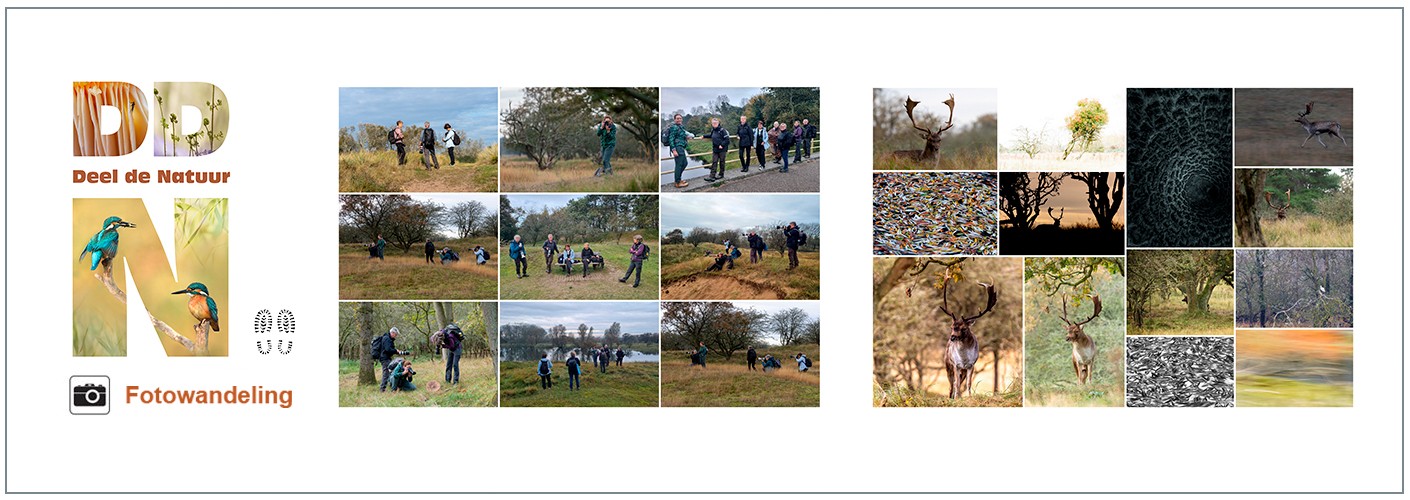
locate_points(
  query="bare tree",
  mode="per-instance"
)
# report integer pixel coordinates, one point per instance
(1021, 195)
(467, 218)
(1104, 193)
(790, 325)
(538, 125)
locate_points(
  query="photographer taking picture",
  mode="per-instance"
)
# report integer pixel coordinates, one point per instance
(607, 136)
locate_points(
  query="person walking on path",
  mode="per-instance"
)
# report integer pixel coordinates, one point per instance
(676, 137)
(607, 138)
(521, 262)
(428, 148)
(719, 145)
(550, 249)
(746, 143)
(639, 252)
(793, 238)
(399, 140)
(451, 139)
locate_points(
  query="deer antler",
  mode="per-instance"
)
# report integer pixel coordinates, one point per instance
(1268, 197)
(1064, 311)
(950, 122)
(945, 296)
(993, 298)
(1096, 309)
(1308, 112)
(910, 108)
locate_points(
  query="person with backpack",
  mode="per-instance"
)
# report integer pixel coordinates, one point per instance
(398, 138)
(719, 145)
(793, 239)
(760, 142)
(719, 265)
(639, 252)
(430, 252)
(402, 374)
(756, 247)
(752, 357)
(575, 368)
(732, 252)
(452, 139)
(803, 362)
(545, 372)
(481, 255)
(607, 138)
(586, 256)
(605, 354)
(452, 339)
(786, 141)
(620, 356)
(383, 348)
(675, 138)
(428, 148)
(517, 254)
(746, 142)
(810, 132)
(550, 249)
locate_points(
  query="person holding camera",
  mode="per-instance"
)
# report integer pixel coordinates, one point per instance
(639, 252)
(719, 144)
(383, 349)
(517, 254)
(450, 138)
(676, 137)
(756, 247)
(452, 340)
(401, 375)
(550, 248)
(793, 238)
(428, 147)
(746, 142)
(607, 137)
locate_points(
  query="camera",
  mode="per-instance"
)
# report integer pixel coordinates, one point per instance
(90, 395)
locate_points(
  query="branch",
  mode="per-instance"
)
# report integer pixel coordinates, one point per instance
(197, 346)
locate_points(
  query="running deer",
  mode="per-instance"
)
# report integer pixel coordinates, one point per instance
(1316, 129)
(931, 153)
(962, 351)
(1057, 222)
(1282, 210)
(1084, 350)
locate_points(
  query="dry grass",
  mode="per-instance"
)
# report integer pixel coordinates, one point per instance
(1053, 162)
(408, 276)
(601, 283)
(731, 383)
(1306, 230)
(684, 276)
(985, 159)
(900, 396)
(378, 172)
(630, 175)
(1169, 317)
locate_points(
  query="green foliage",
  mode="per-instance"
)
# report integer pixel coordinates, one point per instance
(1085, 124)
(1069, 274)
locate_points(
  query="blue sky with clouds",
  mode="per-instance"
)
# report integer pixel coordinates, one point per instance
(736, 211)
(635, 316)
(471, 110)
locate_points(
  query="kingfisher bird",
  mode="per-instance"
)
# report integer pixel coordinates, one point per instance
(201, 306)
(104, 245)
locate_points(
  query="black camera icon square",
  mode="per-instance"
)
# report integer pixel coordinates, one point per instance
(90, 395)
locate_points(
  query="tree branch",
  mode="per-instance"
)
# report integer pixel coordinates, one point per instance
(197, 346)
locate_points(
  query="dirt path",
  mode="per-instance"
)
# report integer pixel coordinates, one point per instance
(718, 287)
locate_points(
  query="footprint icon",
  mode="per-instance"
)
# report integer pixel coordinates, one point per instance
(263, 322)
(286, 327)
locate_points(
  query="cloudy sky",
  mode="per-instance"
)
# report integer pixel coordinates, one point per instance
(685, 98)
(970, 104)
(635, 316)
(489, 200)
(1036, 107)
(472, 110)
(536, 202)
(735, 211)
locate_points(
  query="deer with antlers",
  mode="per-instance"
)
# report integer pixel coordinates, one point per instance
(1057, 221)
(1282, 210)
(1316, 129)
(1084, 350)
(931, 153)
(962, 351)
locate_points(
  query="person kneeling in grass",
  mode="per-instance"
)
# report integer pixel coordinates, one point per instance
(401, 375)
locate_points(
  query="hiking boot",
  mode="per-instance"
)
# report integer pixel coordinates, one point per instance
(682, 184)
(744, 170)
(623, 280)
(634, 285)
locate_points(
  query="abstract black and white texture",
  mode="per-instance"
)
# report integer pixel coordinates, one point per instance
(1179, 371)
(1180, 161)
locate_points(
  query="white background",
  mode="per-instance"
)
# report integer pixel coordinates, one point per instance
(281, 71)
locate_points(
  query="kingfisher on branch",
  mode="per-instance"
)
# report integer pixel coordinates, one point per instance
(201, 306)
(104, 245)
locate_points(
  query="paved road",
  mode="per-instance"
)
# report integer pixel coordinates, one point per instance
(801, 178)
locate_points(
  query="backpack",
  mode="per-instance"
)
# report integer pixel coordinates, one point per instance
(392, 136)
(802, 238)
(455, 137)
(543, 366)
(376, 347)
(807, 362)
(666, 136)
(451, 339)
(734, 253)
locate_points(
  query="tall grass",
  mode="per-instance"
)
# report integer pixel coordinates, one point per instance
(901, 396)
(407, 276)
(963, 159)
(632, 384)
(629, 175)
(476, 387)
(378, 172)
(731, 383)
(684, 275)
(1307, 230)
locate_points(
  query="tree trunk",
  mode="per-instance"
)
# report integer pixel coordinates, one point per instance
(1248, 187)
(1262, 302)
(364, 328)
(490, 312)
(996, 368)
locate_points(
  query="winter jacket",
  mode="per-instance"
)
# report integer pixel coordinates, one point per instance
(810, 132)
(449, 138)
(574, 366)
(719, 138)
(607, 135)
(516, 250)
(550, 247)
(639, 252)
(746, 135)
(430, 248)
(756, 242)
(676, 136)
(428, 139)
(795, 237)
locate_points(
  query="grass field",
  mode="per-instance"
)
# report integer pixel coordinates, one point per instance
(1294, 368)
(730, 383)
(601, 284)
(1306, 230)
(1169, 317)
(683, 275)
(633, 384)
(1052, 162)
(629, 175)
(1266, 135)
(1047, 362)
(476, 387)
(900, 396)
(407, 276)
(378, 172)
(968, 159)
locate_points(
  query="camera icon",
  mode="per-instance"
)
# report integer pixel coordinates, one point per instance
(90, 395)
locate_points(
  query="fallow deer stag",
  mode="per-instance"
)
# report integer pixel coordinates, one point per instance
(1316, 129)
(1283, 210)
(1057, 222)
(931, 153)
(1084, 350)
(962, 351)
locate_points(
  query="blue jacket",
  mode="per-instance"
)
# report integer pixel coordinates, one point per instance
(516, 250)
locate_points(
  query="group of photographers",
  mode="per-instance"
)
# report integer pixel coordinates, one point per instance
(755, 145)
(565, 259)
(793, 238)
(700, 354)
(602, 357)
(397, 371)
